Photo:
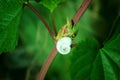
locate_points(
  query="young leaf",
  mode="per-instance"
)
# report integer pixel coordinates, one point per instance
(9, 20)
(50, 4)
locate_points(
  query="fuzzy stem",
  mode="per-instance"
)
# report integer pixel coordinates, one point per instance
(41, 18)
(80, 12)
(47, 64)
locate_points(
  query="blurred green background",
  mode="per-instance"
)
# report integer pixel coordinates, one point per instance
(35, 43)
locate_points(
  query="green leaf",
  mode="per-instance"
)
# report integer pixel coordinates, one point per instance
(115, 30)
(10, 11)
(111, 57)
(91, 63)
(50, 4)
(83, 57)
(97, 72)
(109, 67)
(112, 49)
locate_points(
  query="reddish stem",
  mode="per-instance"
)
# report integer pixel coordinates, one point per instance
(73, 45)
(80, 11)
(41, 18)
(47, 64)
(52, 55)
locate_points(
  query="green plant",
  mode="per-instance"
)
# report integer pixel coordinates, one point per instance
(95, 54)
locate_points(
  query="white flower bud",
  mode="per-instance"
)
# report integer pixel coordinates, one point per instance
(63, 45)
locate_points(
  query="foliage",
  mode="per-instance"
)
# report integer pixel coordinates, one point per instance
(10, 12)
(96, 57)
(51, 4)
(90, 62)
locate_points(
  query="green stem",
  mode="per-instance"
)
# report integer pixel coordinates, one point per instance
(53, 23)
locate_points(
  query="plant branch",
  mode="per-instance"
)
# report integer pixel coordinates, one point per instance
(80, 12)
(74, 45)
(41, 18)
(47, 64)
(53, 24)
